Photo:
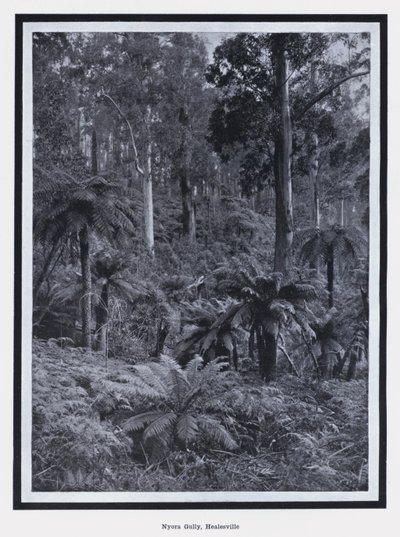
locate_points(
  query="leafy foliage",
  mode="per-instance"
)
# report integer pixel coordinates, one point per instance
(215, 333)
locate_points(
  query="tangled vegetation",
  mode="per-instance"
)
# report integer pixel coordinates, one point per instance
(156, 427)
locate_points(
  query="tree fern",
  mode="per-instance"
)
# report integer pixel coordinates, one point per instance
(329, 244)
(78, 209)
(267, 305)
(175, 415)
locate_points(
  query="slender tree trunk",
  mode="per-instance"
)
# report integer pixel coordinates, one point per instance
(117, 149)
(94, 153)
(235, 357)
(102, 319)
(313, 151)
(330, 272)
(252, 341)
(283, 177)
(313, 178)
(342, 212)
(78, 130)
(188, 205)
(314, 187)
(86, 300)
(148, 204)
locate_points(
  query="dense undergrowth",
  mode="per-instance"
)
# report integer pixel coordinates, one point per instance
(219, 430)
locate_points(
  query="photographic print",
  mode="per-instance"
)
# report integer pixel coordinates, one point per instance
(202, 261)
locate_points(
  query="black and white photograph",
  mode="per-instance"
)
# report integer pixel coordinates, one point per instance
(201, 261)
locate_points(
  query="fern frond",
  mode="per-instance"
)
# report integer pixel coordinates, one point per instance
(190, 396)
(178, 385)
(186, 428)
(215, 431)
(141, 387)
(193, 369)
(159, 426)
(140, 421)
(146, 373)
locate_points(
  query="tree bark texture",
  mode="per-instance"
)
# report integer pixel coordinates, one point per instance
(148, 204)
(267, 346)
(327, 361)
(351, 371)
(188, 207)
(282, 169)
(86, 301)
(330, 273)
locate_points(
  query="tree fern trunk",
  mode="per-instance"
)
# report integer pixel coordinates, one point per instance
(325, 362)
(267, 346)
(86, 300)
(271, 346)
(161, 336)
(351, 371)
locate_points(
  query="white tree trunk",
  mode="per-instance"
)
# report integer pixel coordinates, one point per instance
(148, 204)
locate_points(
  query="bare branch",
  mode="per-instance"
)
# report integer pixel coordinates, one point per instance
(328, 91)
(135, 153)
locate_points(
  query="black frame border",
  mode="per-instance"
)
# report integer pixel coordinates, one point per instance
(20, 19)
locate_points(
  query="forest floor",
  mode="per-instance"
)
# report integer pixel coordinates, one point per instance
(292, 435)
